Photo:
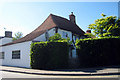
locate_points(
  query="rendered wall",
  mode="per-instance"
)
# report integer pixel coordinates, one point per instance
(51, 32)
(24, 60)
(60, 31)
(5, 40)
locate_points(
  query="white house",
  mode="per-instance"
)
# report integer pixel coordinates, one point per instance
(17, 53)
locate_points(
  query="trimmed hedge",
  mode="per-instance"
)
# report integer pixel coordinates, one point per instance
(49, 55)
(98, 52)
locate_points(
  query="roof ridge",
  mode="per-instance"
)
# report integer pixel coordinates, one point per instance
(59, 17)
(53, 19)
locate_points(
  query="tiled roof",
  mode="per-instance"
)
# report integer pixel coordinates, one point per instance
(51, 22)
(66, 24)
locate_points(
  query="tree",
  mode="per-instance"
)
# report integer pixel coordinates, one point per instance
(106, 26)
(89, 35)
(18, 35)
(55, 37)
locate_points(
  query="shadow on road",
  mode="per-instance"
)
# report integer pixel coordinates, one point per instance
(89, 70)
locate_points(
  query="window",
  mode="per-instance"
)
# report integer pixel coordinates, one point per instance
(65, 34)
(2, 55)
(16, 54)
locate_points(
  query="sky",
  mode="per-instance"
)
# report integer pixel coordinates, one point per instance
(27, 16)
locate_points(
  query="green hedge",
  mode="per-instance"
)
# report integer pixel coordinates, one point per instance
(49, 55)
(98, 52)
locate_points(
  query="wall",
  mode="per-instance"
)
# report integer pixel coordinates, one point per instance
(24, 48)
(60, 31)
(51, 32)
(5, 40)
(0, 54)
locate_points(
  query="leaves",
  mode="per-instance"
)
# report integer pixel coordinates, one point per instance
(18, 35)
(89, 35)
(106, 26)
(57, 38)
(103, 15)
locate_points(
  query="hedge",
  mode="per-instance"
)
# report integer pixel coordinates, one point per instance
(98, 52)
(49, 55)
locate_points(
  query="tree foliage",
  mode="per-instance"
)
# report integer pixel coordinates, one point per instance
(89, 35)
(55, 37)
(18, 35)
(106, 26)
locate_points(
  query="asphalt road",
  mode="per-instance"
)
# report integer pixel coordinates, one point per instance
(22, 75)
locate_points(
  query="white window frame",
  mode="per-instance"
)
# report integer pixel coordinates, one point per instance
(16, 54)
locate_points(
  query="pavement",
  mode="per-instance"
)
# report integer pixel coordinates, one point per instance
(81, 72)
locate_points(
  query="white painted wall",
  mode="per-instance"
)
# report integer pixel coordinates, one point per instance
(40, 38)
(51, 32)
(0, 59)
(5, 40)
(24, 60)
(60, 31)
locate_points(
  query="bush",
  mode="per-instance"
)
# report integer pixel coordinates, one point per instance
(49, 55)
(103, 51)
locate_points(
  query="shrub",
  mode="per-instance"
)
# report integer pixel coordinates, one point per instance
(103, 51)
(49, 55)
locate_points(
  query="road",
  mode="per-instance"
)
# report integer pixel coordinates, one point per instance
(22, 75)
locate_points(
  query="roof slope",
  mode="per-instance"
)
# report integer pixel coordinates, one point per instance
(66, 24)
(51, 22)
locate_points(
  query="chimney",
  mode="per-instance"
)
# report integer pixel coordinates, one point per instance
(72, 18)
(88, 31)
(8, 34)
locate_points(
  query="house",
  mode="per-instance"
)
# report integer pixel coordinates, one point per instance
(17, 53)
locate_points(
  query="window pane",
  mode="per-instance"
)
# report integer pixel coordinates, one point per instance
(1, 55)
(15, 54)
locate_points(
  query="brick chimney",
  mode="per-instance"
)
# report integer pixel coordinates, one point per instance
(72, 18)
(8, 34)
(88, 31)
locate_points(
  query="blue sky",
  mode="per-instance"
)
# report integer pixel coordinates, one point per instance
(27, 16)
